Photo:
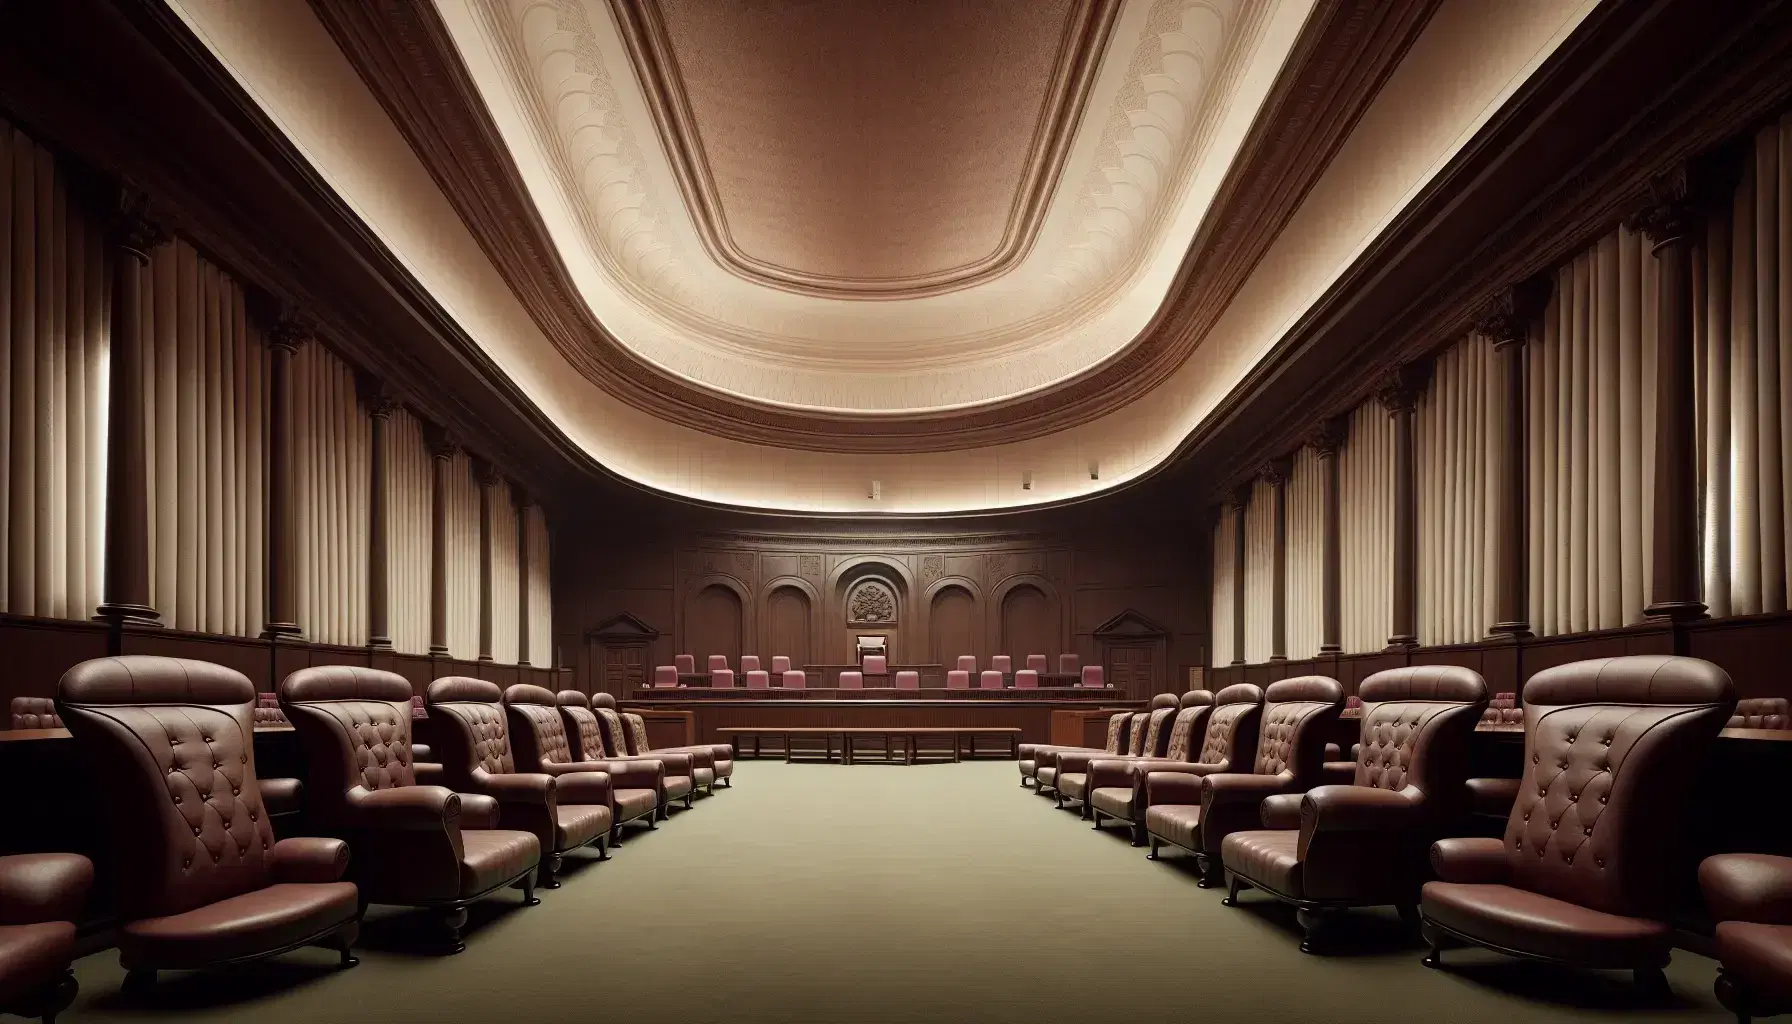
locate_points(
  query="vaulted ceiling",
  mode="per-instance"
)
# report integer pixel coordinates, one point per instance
(768, 252)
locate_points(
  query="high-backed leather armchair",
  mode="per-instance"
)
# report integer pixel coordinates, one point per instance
(199, 880)
(1045, 756)
(40, 894)
(619, 740)
(1147, 734)
(585, 742)
(1365, 844)
(34, 713)
(1117, 785)
(414, 844)
(1585, 871)
(638, 788)
(563, 812)
(1172, 790)
(1750, 896)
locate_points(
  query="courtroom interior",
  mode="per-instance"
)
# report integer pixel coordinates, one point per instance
(557, 509)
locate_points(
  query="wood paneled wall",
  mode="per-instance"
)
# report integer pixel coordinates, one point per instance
(702, 583)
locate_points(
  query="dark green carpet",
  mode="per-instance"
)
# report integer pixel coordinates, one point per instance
(877, 893)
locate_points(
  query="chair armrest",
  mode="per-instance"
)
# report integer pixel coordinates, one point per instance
(404, 807)
(428, 773)
(588, 788)
(479, 811)
(1282, 811)
(645, 773)
(39, 887)
(421, 752)
(1753, 887)
(516, 787)
(1076, 762)
(1110, 772)
(1337, 773)
(308, 859)
(1357, 809)
(677, 762)
(1471, 860)
(1233, 802)
(1172, 788)
(281, 796)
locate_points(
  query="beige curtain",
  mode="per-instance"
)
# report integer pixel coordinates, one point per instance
(1306, 555)
(331, 477)
(463, 559)
(1222, 585)
(409, 514)
(1455, 459)
(206, 410)
(1259, 571)
(53, 365)
(541, 590)
(1743, 286)
(506, 599)
(1592, 395)
(1366, 529)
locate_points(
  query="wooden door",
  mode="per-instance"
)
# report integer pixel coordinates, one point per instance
(1133, 669)
(625, 668)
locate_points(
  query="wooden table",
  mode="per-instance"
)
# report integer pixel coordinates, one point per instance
(909, 735)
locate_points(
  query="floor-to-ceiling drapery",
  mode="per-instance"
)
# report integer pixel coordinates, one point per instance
(507, 608)
(1306, 554)
(1223, 575)
(541, 589)
(410, 508)
(331, 478)
(1453, 436)
(1366, 528)
(462, 518)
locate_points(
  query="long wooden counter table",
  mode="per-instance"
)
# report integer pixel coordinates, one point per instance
(708, 716)
(743, 738)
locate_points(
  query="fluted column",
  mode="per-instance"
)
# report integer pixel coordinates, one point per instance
(1241, 500)
(284, 339)
(131, 236)
(1277, 473)
(442, 449)
(1671, 221)
(488, 478)
(523, 505)
(380, 403)
(1327, 441)
(1400, 393)
(1508, 322)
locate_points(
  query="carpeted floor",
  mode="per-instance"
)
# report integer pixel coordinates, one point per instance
(886, 893)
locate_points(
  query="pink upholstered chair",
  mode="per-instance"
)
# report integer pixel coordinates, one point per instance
(852, 680)
(967, 663)
(877, 665)
(958, 679)
(686, 664)
(749, 663)
(780, 664)
(759, 679)
(908, 679)
(1092, 676)
(991, 679)
(1068, 664)
(1027, 678)
(717, 662)
(665, 675)
(1036, 662)
(796, 679)
(1002, 663)
(721, 679)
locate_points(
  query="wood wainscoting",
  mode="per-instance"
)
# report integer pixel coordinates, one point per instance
(1032, 717)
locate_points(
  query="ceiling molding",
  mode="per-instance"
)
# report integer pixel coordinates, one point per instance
(1344, 54)
(651, 51)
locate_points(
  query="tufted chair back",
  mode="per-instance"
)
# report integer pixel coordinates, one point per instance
(1135, 733)
(1187, 725)
(474, 732)
(1117, 732)
(637, 733)
(354, 724)
(1291, 735)
(1157, 732)
(583, 731)
(34, 713)
(1755, 713)
(174, 741)
(614, 731)
(1416, 726)
(1611, 748)
(1231, 735)
(1503, 710)
(537, 729)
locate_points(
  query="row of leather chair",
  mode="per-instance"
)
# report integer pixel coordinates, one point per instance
(525, 777)
(1583, 875)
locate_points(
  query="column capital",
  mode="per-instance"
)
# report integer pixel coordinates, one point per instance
(129, 225)
(1509, 314)
(290, 330)
(1328, 437)
(1240, 498)
(1278, 471)
(378, 396)
(441, 443)
(1400, 388)
(520, 497)
(486, 473)
(1675, 200)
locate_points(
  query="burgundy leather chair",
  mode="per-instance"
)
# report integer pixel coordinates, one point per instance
(1039, 761)
(563, 812)
(967, 663)
(414, 844)
(1036, 662)
(990, 680)
(852, 679)
(780, 664)
(1197, 810)
(718, 663)
(1146, 731)
(199, 880)
(877, 666)
(1026, 679)
(908, 679)
(1750, 896)
(759, 679)
(795, 679)
(1093, 677)
(1761, 713)
(721, 679)
(585, 742)
(958, 680)
(639, 787)
(1117, 784)
(1585, 871)
(1001, 663)
(1365, 844)
(619, 741)
(34, 713)
(40, 894)
(686, 664)
(665, 677)
(749, 663)
(1068, 664)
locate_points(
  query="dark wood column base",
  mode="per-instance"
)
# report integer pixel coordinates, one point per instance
(382, 644)
(438, 651)
(1515, 630)
(128, 615)
(282, 630)
(1331, 648)
(1401, 643)
(1677, 611)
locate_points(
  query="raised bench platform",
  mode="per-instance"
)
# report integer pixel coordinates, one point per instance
(908, 736)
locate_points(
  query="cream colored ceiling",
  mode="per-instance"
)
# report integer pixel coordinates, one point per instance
(621, 223)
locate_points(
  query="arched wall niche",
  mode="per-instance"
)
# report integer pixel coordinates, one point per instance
(906, 636)
(790, 621)
(954, 621)
(717, 619)
(1028, 618)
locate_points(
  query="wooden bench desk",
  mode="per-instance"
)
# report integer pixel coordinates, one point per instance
(909, 736)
